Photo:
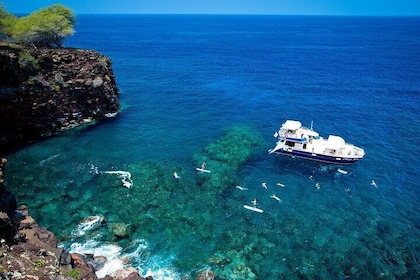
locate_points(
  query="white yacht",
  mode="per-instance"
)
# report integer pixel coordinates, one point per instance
(298, 141)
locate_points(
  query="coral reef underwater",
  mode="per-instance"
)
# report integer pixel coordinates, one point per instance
(196, 221)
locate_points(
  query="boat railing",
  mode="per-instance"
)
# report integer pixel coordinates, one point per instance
(352, 150)
(291, 134)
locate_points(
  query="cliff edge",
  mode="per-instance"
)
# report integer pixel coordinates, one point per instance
(44, 91)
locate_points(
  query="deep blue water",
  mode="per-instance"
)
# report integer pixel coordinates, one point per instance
(185, 82)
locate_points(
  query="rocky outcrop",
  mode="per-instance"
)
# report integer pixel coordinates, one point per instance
(44, 91)
(35, 255)
(29, 251)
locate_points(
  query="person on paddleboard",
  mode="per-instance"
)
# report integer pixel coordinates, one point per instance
(254, 202)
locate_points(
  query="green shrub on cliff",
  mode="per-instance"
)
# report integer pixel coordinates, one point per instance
(7, 21)
(75, 274)
(28, 62)
(47, 27)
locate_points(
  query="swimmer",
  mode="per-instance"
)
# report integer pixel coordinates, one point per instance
(241, 188)
(276, 198)
(126, 183)
(93, 169)
(348, 191)
(254, 202)
(317, 186)
(176, 175)
(280, 184)
(264, 185)
(311, 177)
(373, 183)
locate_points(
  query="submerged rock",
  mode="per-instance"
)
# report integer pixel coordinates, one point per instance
(119, 230)
(88, 224)
(225, 156)
(206, 275)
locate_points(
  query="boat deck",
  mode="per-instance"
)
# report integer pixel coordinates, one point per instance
(318, 146)
(297, 140)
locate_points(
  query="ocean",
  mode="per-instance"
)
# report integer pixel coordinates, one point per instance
(214, 89)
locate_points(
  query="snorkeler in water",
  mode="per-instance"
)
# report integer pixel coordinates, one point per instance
(241, 188)
(348, 191)
(373, 183)
(276, 197)
(280, 184)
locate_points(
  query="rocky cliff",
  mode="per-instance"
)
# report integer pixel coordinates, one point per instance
(44, 91)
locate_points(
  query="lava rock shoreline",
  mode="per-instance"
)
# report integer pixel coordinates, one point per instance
(29, 251)
(45, 91)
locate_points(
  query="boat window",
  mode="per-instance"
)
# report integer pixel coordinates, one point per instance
(291, 144)
(304, 146)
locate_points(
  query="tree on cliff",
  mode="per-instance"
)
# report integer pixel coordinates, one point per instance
(7, 21)
(47, 27)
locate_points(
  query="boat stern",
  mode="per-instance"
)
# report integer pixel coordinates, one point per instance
(279, 146)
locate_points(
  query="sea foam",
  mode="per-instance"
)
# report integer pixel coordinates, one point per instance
(117, 259)
(88, 224)
(110, 251)
(124, 175)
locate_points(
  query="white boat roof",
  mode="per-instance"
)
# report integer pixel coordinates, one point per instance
(335, 142)
(313, 133)
(291, 125)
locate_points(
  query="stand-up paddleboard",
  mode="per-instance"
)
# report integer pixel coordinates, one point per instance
(252, 208)
(341, 171)
(203, 170)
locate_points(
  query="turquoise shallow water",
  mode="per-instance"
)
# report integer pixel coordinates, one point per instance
(215, 89)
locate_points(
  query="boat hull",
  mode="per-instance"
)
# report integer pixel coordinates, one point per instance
(317, 157)
(295, 140)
